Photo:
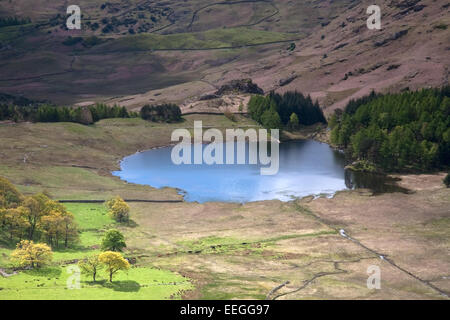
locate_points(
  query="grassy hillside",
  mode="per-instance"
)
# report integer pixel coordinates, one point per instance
(77, 160)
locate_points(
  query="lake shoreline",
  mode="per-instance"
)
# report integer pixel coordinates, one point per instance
(315, 133)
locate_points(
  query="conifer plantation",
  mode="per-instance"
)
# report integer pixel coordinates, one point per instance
(403, 131)
(276, 110)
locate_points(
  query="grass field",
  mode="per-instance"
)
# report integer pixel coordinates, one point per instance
(51, 282)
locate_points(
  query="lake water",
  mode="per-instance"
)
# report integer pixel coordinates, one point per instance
(306, 168)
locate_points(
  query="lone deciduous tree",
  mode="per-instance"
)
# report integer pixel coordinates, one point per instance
(113, 262)
(90, 266)
(113, 241)
(293, 122)
(119, 210)
(32, 254)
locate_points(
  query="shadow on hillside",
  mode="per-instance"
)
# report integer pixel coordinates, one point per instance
(49, 272)
(123, 286)
(131, 224)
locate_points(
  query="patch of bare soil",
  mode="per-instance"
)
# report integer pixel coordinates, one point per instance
(227, 103)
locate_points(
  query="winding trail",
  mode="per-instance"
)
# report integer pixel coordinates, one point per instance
(196, 12)
(344, 234)
(392, 263)
(309, 281)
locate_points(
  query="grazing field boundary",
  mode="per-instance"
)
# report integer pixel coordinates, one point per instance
(242, 46)
(277, 11)
(383, 257)
(211, 113)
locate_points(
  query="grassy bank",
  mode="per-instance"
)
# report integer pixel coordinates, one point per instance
(73, 161)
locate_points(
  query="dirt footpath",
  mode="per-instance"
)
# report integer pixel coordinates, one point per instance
(412, 230)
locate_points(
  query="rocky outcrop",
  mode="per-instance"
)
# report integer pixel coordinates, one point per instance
(85, 116)
(239, 86)
(4, 274)
(286, 81)
(208, 97)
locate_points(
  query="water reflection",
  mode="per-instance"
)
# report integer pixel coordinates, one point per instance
(375, 182)
(306, 168)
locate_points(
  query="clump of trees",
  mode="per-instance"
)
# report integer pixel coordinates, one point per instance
(119, 210)
(111, 262)
(161, 113)
(50, 113)
(32, 111)
(285, 111)
(30, 254)
(403, 131)
(111, 259)
(34, 217)
(13, 21)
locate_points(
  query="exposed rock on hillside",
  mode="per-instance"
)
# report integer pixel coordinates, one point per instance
(86, 116)
(240, 86)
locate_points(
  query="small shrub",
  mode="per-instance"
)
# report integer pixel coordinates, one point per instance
(447, 180)
(230, 115)
(71, 41)
(441, 26)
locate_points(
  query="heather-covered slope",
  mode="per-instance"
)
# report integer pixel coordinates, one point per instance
(143, 49)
